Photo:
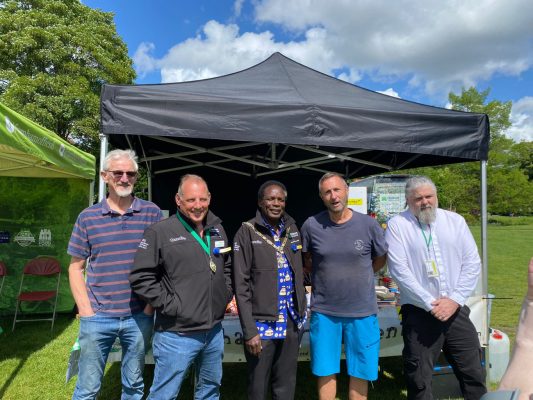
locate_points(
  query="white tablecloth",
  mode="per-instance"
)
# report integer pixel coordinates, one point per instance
(389, 324)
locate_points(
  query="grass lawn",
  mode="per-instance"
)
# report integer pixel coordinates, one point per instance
(33, 360)
(509, 251)
(33, 364)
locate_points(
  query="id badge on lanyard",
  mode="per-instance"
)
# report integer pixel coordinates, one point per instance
(431, 265)
(431, 268)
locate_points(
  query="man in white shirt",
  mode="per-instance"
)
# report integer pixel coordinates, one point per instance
(434, 260)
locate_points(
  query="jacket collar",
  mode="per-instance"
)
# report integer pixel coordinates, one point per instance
(210, 220)
(259, 221)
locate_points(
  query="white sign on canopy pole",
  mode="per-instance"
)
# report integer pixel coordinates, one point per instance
(357, 199)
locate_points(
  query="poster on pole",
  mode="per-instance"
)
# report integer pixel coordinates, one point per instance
(357, 199)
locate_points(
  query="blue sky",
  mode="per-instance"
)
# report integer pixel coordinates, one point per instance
(418, 50)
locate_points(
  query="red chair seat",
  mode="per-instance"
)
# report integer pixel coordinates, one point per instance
(37, 296)
(42, 266)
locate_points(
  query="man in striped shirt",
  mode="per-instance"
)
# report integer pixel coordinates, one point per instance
(107, 235)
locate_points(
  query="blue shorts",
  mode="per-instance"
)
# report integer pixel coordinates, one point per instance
(361, 345)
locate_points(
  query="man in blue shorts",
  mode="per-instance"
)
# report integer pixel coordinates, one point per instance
(343, 249)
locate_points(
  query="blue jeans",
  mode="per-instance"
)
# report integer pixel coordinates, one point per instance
(97, 335)
(175, 352)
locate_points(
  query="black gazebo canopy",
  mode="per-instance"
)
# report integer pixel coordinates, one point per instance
(280, 120)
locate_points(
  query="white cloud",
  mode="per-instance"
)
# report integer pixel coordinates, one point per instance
(221, 49)
(144, 62)
(435, 46)
(440, 46)
(390, 92)
(237, 7)
(522, 120)
(351, 76)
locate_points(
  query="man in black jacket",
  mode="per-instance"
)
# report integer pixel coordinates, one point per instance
(183, 269)
(270, 294)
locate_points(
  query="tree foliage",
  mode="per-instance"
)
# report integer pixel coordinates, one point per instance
(55, 55)
(522, 157)
(509, 167)
(472, 100)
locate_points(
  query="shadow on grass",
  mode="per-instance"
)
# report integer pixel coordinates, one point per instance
(233, 382)
(390, 384)
(28, 338)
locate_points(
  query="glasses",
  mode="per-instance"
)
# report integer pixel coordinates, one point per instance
(119, 174)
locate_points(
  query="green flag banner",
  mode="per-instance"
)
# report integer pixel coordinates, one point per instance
(29, 150)
(44, 183)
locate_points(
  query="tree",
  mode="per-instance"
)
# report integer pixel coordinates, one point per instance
(509, 166)
(472, 100)
(510, 192)
(55, 55)
(459, 195)
(522, 156)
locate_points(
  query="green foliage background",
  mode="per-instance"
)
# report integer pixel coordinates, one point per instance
(34, 204)
(509, 167)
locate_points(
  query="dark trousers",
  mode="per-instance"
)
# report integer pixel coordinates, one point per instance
(277, 364)
(424, 336)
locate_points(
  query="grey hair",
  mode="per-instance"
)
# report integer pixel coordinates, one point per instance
(415, 182)
(187, 177)
(118, 154)
(267, 184)
(328, 175)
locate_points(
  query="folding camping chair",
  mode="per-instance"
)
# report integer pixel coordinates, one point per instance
(3, 273)
(45, 267)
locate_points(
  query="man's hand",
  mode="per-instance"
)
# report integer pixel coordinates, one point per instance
(86, 312)
(148, 310)
(253, 345)
(77, 287)
(444, 308)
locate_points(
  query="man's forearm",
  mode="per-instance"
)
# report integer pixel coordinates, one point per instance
(307, 259)
(379, 262)
(518, 373)
(79, 292)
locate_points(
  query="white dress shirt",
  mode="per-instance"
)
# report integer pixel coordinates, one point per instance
(447, 245)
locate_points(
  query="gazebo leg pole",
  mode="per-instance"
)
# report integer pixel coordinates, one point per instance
(484, 263)
(103, 152)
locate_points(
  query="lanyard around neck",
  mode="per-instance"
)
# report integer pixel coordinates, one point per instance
(195, 235)
(429, 239)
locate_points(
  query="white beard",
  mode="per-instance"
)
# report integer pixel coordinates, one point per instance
(428, 215)
(124, 192)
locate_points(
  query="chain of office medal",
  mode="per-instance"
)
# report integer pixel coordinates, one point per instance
(278, 248)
